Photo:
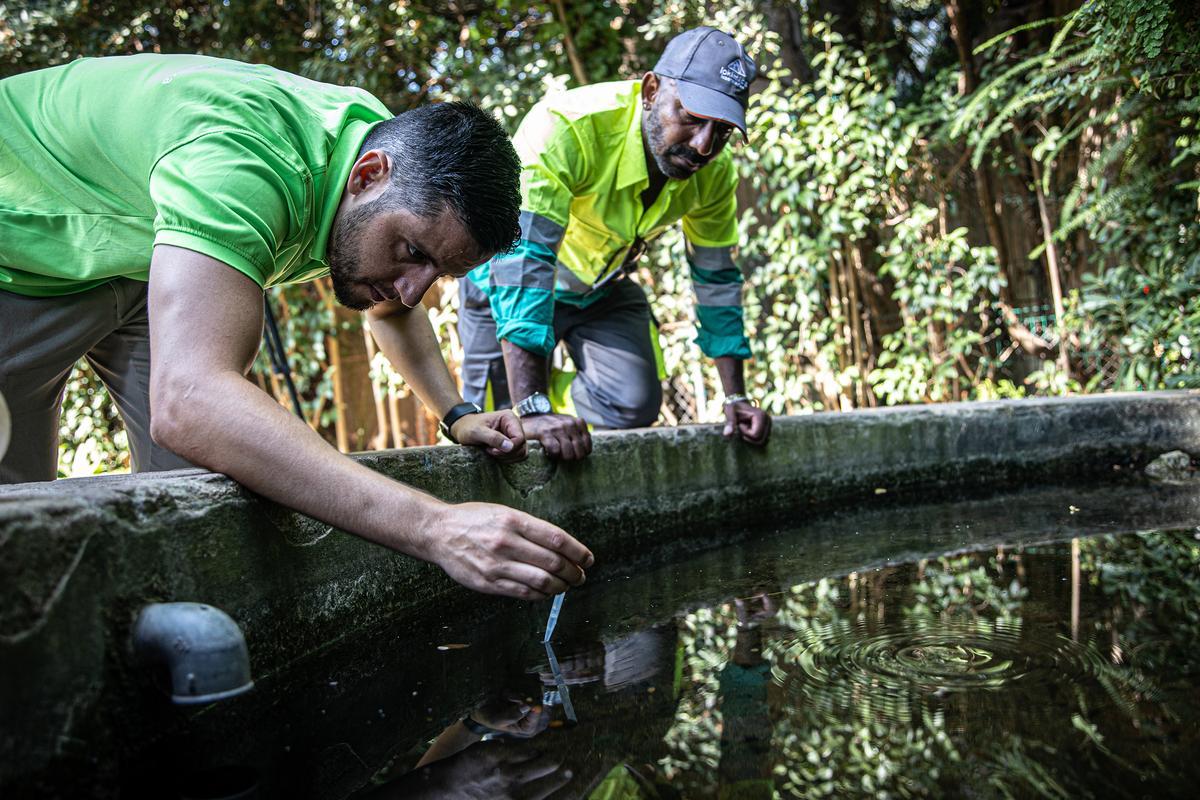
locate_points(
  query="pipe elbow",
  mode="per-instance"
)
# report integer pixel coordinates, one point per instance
(5, 426)
(198, 652)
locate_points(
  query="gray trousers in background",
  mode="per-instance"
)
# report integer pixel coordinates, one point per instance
(41, 338)
(616, 383)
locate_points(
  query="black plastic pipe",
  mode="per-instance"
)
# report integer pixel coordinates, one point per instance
(196, 650)
(278, 357)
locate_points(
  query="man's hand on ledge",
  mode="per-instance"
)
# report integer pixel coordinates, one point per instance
(499, 433)
(747, 422)
(498, 550)
(564, 437)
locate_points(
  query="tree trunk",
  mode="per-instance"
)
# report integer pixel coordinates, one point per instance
(380, 440)
(573, 56)
(857, 347)
(1026, 339)
(1051, 268)
(350, 373)
(866, 329)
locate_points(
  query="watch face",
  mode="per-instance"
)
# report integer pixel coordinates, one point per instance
(536, 403)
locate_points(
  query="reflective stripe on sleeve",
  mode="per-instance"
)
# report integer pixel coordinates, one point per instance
(718, 294)
(541, 230)
(710, 259)
(529, 265)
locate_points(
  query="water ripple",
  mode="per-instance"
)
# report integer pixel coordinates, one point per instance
(840, 662)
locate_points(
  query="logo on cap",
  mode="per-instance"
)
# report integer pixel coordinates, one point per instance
(735, 73)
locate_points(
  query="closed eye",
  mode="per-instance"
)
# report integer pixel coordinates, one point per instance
(721, 131)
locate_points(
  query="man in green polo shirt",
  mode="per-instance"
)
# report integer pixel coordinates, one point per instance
(146, 201)
(606, 168)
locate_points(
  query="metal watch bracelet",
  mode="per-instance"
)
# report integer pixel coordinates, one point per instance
(730, 399)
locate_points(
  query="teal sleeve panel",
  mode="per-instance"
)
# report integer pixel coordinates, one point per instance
(520, 289)
(717, 283)
(712, 323)
(533, 328)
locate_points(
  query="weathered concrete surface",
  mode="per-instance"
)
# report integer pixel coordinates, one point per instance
(347, 712)
(78, 558)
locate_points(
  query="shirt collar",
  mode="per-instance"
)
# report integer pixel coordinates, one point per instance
(632, 167)
(631, 170)
(345, 153)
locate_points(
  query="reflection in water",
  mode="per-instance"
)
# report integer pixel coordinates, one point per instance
(767, 670)
(560, 695)
(911, 680)
(841, 657)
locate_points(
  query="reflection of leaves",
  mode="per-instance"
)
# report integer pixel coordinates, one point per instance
(1092, 732)
(1017, 773)
(955, 588)
(858, 737)
(694, 741)
(1155, 577)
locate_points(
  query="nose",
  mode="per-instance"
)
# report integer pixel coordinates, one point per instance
(702, 142)
(414, 283)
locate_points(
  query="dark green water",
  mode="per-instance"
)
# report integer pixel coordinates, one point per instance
(847, 656)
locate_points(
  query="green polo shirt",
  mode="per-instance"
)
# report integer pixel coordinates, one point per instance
(101, 159)
(583, 174)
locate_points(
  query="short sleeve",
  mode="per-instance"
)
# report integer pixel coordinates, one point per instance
(232, 196)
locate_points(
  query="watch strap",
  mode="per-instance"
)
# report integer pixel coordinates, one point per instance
(454, 415)
(476, 728)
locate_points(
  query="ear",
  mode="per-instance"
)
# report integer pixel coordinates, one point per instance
(370, 172)
(650, 88)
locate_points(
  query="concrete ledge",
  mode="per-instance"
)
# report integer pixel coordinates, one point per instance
(78, 558)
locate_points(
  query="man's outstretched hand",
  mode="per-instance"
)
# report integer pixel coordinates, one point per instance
(499, 550)
(747, 422)
(499, 433)
(564, 437)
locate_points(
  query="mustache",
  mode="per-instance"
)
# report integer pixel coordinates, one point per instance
(690, 154)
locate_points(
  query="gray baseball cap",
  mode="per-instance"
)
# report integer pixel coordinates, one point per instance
(713, 74)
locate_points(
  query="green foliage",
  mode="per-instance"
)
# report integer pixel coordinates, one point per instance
(1155, 572)
(869, 275)
(304, 329)
(1115, 95)
(945, 289)
(854, 711)
(92, 438)
(825, 160)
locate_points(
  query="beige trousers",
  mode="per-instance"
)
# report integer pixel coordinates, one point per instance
(41, 339)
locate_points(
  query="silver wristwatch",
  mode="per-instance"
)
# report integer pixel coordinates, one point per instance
(536, 403)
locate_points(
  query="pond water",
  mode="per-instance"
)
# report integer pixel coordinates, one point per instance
(1028, 645)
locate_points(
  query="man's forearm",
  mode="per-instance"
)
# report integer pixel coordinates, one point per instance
(410, 345)
(729, 369)
(229, 425)
(527, 372)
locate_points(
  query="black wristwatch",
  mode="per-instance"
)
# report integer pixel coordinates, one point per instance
(536, 403)
(454, 415)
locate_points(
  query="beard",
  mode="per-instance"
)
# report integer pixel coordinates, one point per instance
(663, 155)
(345, 258)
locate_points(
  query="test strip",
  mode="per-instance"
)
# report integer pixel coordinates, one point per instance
(564, 694)
(553, 619)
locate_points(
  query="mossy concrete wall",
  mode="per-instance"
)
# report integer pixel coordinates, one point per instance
(78, 558)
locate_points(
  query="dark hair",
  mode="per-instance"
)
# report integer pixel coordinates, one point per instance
(454, 155)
